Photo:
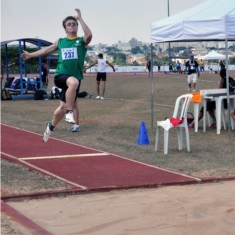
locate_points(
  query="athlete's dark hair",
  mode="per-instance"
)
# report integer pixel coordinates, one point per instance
(68, 18)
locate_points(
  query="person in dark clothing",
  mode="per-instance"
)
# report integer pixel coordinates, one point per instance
(159, 67)
(170, 67)
(222, 64)
(148, 66)
(45, 72)
(193, 72)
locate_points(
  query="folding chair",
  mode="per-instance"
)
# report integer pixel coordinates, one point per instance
(182, 102)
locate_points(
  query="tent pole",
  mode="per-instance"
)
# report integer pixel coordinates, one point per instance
(151, 71)
(227, 82)
(168, 13)
(21, 67)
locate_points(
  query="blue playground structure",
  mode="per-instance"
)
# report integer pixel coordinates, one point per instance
(28, 85)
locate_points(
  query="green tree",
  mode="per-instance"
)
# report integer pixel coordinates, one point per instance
(146, 49)
(14, 60)
(232, 60)
(135, 63)
(89, 60)
(136, 50)
(119, 59)
(112, 50)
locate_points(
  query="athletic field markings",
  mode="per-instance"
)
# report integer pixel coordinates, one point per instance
(141, 102)
(46, 172)
(65, 156)
(198, 80)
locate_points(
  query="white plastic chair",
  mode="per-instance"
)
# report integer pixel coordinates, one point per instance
(182, 102)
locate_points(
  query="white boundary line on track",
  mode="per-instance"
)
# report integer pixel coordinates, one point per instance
(64, 141)
(65, 156)
(156, 167)
(47, 172)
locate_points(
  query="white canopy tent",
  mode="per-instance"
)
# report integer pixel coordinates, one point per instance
(212, 20)
(213, 55)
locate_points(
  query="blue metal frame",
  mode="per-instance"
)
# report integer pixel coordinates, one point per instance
(39, 43)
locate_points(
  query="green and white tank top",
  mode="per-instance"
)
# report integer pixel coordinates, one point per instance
(71, 57)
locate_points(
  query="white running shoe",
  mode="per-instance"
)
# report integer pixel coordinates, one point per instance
(97, 97)
(102, 98)
(75, 128)
(47, 132)
(69, 117)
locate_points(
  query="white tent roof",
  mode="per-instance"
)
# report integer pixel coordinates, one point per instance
(213, 55)
(209, 21)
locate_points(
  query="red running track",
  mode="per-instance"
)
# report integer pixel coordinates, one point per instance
(81, 166)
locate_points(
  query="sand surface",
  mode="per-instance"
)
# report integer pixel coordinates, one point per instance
(191, 209)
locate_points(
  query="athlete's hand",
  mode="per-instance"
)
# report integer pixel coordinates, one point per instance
(79, 15)
(25, 55)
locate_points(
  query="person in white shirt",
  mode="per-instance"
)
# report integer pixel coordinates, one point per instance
(101, 74)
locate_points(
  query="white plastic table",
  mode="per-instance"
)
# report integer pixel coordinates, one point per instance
(218, 98)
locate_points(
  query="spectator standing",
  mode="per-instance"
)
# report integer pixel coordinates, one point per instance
(101, 74)
(184, 66)
(222, 64)
(159, 67)
(178, 67)
(202, 66)
(44, 72)
(193, 73)
(170, 67)
(148, 66)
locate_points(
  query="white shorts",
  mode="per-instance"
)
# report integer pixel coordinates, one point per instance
(192, 78)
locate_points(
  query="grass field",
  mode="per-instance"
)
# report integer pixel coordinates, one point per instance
(113, 124)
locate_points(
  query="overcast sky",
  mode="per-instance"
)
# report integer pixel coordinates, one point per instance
(109, 20)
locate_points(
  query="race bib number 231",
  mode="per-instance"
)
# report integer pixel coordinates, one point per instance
(69, 53)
